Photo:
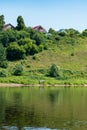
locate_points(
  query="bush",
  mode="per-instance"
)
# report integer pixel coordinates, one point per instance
(3, 73)
(31, 48)
(34, 49)
(55, 71)
(18, 70)
(72, 54)
(4, 64)
(2, 53)
(34, 57)
(15, 52)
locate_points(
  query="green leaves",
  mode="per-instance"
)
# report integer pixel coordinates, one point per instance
(20, 23)
(18, 70)
(2, 54)
(15, 52)
(2, 22)
(55, 71)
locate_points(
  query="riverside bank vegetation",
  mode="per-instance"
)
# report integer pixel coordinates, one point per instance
(29, 56)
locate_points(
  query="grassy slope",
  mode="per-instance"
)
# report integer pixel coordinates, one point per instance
(60, 54)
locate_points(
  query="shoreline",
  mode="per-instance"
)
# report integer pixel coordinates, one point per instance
(40, 85)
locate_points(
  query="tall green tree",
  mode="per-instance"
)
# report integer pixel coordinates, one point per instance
(2, 22)
(2, 54)
(15, 52)
(20, 23)
(55, 71)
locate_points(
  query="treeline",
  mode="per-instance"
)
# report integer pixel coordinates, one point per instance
(22, 41)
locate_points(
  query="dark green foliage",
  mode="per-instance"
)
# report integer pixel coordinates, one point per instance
(18, 70)
(4, 64)
(67, 73)
(34, 49)
(28, 66)
(25, 41)
(41, 47)
(38, 37)
(55, 71)
(72, 54)
(28, 47)
(62, 34)
(31, 48)
(84, 33)
(34, 57)
(72, 32)
(15, 52)
(23, 34)
(13, 35)
(6, 37)
(3, 73)
(20, 23)
(2, 54)
(52, 31)
(2, 22)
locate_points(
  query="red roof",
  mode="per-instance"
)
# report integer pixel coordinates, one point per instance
(39, 28)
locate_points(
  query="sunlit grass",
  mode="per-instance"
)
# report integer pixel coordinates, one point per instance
(68, 57)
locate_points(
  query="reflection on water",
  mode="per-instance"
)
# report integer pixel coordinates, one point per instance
(37, 108)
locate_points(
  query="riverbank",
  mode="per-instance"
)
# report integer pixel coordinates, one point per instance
(40, 85)
(20, 81)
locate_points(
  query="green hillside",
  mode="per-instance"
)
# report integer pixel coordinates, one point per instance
(71, 59)
(29, 55)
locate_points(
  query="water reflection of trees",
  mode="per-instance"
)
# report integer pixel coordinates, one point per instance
(2, 105)
(53, 96)
(13, 111)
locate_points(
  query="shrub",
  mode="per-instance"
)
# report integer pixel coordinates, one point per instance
(2, 54)
(28, 66)
(18, 70)
(34, 57)
(34, 49)
(3, 73)
(55, 71)
(72, 54)
(15, 52)
(4, 64)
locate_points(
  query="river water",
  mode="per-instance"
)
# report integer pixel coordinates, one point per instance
(38, 108)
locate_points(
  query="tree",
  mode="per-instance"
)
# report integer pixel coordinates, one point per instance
(52, 31)
(15, 52)
(23, 34)
(2, 54)
(24, 41)
(20, 23)
(18, 70)
(38, 37)
(72, 32)
(31, 48)
(84, 33)
(4, 39)
(55, 71)
(2, 22)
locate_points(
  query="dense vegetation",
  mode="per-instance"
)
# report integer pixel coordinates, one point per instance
(28, 56)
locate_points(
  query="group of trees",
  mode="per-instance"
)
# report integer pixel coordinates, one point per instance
(22, 41)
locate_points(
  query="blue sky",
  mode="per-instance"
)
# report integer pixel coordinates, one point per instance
(57, 14)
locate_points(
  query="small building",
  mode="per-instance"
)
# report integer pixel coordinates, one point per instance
(62, 31)
(40, 29)
(8, 26)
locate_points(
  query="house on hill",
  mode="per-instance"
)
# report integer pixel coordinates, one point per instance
(62, 31)
(39, 28)
(8, 26)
